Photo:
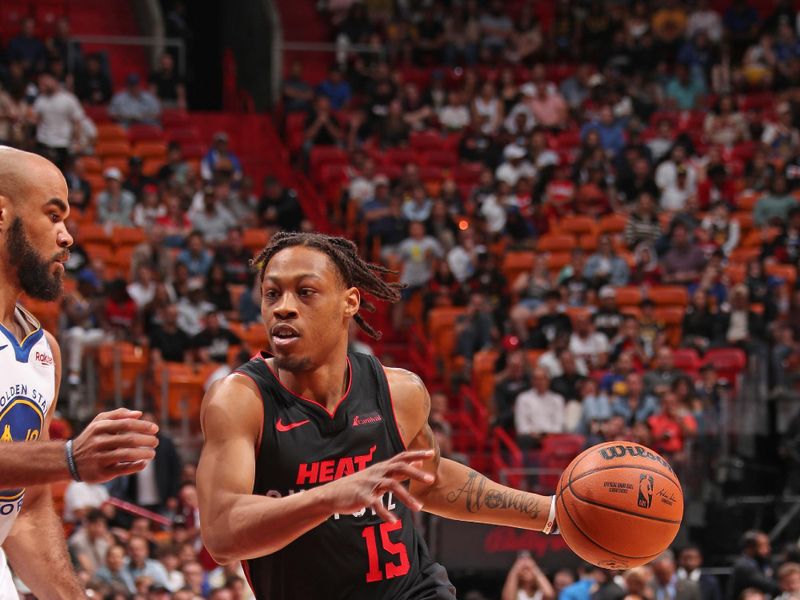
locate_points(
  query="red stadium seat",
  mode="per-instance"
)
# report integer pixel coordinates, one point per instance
(556, 242)
(173, 118)
(425, 141)
(673, 295)
(728, 361)
(687, 359)
(515, 263)
(184, 135)
(577, 225)
(140, 132)
(401, 156)
(440, 158)
(629, 296)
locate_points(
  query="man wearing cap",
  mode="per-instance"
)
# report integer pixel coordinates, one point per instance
(114, 204)
(134, 104)
(220, 159)
(514, 166)
(193, 308)
(607, 318)
(58, 115)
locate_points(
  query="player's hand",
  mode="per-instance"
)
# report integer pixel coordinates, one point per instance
(115, 443)
(366, 488)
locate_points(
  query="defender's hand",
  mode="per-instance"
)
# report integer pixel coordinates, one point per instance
(366, 488)
(115, 443)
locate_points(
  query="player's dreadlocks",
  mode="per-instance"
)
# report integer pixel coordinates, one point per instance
(354, 270)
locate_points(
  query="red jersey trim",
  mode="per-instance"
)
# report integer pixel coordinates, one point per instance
(263, 416)
(246, 569)
(331, 414)
(394, 412)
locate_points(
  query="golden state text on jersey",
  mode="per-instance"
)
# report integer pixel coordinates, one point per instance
(27, 387)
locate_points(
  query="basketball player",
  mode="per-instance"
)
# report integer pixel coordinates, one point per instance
(306, 448)
(34, 244)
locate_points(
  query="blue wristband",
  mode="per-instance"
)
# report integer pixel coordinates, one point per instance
(73, 468)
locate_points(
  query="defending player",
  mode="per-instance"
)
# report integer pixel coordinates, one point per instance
(34, 243)
(343, 430)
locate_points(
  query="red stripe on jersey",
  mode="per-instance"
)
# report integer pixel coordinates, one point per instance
(338, 404)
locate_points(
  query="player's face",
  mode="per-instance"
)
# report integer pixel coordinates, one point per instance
(37, 241)
(305, 307)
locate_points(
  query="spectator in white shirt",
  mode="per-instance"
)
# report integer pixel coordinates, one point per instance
(58, 116)
(454, 116)
(538, 411)
(587, 344)
(81, 497)
(143, 288)
(704, 18)
(514, 166)
(667, 171)
(675, 195)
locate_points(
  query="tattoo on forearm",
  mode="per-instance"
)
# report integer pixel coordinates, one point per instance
(476, 496)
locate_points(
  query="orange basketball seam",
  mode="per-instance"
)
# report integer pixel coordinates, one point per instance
(621, 510)
(609, 467)
(591, 539)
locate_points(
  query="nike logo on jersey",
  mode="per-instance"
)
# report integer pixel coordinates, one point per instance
(4, 346)
(289, 426)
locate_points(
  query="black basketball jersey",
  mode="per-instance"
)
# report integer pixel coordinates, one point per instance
(349, 556)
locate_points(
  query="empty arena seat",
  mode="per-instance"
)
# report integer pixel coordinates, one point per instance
(515, 263)
(577, 225)
(687, 359)
(629, 296)
(556, 242)
(673, 295)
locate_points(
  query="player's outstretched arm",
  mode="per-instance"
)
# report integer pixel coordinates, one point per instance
(115, 443)
(459, 492)
(35, 548)
(238, 525)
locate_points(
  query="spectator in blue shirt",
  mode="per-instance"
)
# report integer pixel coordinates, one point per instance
(610, 131)
(741, 23)
(26, 48)
(196, 256)
(336, 89)
(635, 405)
(134, 104)
(684, 89)
(594, 583)
(298, 95)
(141, 565)
(220, 158)
(698, 55)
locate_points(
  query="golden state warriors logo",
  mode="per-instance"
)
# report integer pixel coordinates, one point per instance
(20, 420)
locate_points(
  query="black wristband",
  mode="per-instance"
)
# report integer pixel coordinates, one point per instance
(73, 468)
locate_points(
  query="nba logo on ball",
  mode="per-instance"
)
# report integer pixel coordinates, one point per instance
(645, 490)
(619, 505)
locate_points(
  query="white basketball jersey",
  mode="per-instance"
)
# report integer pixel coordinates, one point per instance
(27, 387)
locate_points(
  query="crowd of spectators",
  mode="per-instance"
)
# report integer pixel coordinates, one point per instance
(680, 120)
(757, 573)
(186, 282)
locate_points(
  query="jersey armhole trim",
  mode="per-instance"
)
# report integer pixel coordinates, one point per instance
(394, 412)
(383, 380)
(263, 416)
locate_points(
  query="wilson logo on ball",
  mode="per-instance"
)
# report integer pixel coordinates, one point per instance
(645, 490)
(620, 451)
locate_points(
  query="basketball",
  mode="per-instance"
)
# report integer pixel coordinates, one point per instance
(618, 505)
